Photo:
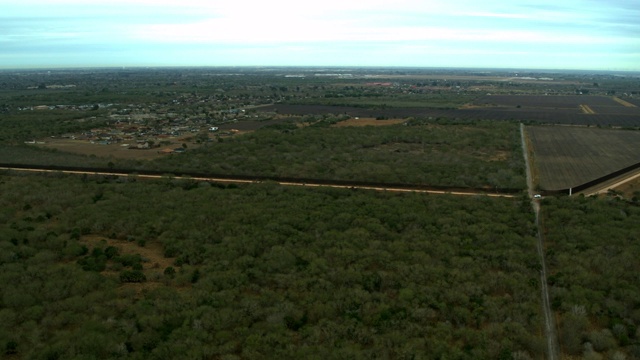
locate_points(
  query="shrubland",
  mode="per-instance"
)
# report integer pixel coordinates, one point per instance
(592, 250)
(261, 271)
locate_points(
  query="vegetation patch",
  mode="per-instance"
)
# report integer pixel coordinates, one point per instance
(591, 252)
(292, 272)
(428, 154)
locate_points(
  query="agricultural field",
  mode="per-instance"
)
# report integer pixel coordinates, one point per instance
(567, 157)
(613, 114)
(633, 101)
(616, 110)
(548, 101)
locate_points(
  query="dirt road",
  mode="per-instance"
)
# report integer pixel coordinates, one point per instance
(602, 188)
(285, 183)
(549, 319)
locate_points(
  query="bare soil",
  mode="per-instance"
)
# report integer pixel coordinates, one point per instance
(118, 151)
(153, 261)
(629, 188)
(623, 103)
(152, 252)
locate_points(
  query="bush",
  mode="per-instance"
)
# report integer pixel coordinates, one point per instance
(170, 271)
(132, 276)
(91, 263)
(11, 348)
(129, 260)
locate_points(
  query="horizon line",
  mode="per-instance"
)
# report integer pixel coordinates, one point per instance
(351, 67)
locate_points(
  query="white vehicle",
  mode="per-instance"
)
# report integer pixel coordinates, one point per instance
(537, 196)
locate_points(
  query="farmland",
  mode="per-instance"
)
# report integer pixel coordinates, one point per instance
(634, 101)
(545, 101)
(567, 157)
(552, 109)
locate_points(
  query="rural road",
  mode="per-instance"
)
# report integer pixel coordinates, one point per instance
(285, 183)
(549, 320)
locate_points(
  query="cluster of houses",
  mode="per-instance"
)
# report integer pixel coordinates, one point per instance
(84, 107)
(139, 127)
(145, 134)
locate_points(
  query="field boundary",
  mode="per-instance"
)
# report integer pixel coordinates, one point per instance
(587, 109)
(613, 183)
(595, 182)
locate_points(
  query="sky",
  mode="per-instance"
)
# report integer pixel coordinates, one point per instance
(518, 34)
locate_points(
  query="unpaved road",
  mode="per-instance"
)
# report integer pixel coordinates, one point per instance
(611, 184)
(549, 319)
(285, 183)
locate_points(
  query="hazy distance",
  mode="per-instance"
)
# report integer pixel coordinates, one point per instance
(541, 34)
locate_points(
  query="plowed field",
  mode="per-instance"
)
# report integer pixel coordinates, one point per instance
(566, 157)
(546, 101)
(563, 110)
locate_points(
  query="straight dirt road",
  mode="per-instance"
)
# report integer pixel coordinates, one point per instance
(549, 320)
(285, 183)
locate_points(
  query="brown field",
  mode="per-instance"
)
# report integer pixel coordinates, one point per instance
(567, 157)
(586, 109)
(629, 188)
(546, 101)
(368, 122)
(623, 103)
(117, 151)
(634, 101)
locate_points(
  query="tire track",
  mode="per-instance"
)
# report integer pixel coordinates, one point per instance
(549, 320)
(284, 183)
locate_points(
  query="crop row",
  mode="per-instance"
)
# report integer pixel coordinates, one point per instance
(546, 101)
(567, 157)
(625, 118)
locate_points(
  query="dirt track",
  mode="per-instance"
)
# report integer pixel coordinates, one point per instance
(549, 320)
(285, 183)
(612, 184)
